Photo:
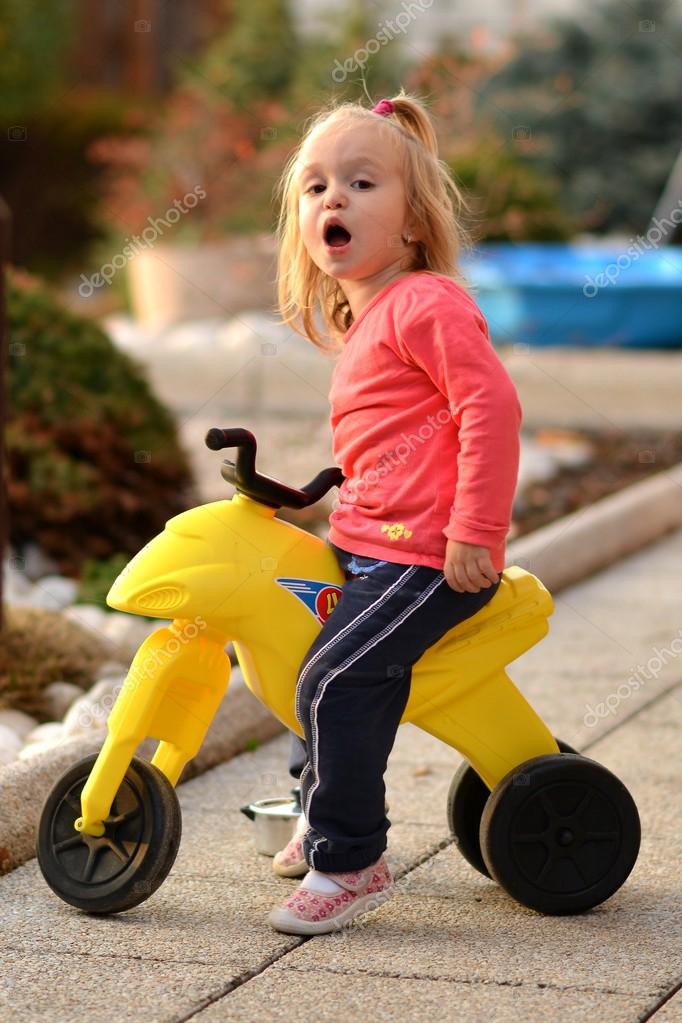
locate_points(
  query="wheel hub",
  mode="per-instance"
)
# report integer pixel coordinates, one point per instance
(94, 859)
(565, 836)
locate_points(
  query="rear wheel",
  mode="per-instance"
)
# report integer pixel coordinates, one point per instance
(560, 833)
(125, 865)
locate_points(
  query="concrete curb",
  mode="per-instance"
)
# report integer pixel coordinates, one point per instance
(592, 538)
(565, 552)
(241, 719)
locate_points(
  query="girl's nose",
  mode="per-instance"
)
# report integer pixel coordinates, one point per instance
(333, 201)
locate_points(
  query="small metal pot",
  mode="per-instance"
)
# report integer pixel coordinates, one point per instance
(275, 820)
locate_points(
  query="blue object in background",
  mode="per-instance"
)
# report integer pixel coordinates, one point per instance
(555, 293)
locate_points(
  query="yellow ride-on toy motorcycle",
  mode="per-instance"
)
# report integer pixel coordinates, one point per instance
(558, 831)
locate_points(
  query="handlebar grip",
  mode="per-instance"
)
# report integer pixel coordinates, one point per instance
(216, 439)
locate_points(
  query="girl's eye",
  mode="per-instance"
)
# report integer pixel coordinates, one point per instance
(359, 180)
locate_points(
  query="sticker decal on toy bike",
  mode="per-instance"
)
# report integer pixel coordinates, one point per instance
(319, 598)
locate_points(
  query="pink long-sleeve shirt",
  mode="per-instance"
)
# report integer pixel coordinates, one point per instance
(425, 427)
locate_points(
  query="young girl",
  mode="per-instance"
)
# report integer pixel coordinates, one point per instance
(425, 423)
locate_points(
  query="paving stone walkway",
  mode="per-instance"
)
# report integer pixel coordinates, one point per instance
(450, 945)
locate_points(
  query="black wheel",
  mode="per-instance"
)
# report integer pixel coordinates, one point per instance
(467, 797)
(560, 833)
(130, 860)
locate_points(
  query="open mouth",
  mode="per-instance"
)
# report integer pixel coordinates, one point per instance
(336, 236)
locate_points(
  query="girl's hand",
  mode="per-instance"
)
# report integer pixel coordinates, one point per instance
(468, 567)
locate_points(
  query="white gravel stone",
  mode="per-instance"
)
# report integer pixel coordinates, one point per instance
(48, 732)
(573, 455)
(111, 669)
(37, 564)
(17, 590)
(198, 336)
(122, 628)
(569, 448)
(248, 331)
(90, 616)
(105, 687)
(19, 722)
(10, 742)
(535, 463)
(54, 592)
(129, 335)
(33, 748)
(91, 711)
(128, 632)
(44, 737)
(58, 697)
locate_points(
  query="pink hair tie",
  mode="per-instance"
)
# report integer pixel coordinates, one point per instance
(383, 107)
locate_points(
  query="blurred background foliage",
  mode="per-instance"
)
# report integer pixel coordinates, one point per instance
(34, 43)
(93, 462)
(532, 134)
(596, 100)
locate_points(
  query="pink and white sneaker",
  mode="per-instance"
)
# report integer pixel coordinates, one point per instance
(308, 911)
(290, 861)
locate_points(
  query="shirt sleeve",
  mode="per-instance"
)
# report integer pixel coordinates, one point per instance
(448, 338)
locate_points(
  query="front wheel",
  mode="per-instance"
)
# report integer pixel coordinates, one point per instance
(560, 833)
(126, 864)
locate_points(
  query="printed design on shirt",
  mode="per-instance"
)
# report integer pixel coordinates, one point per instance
(319, 598)
(396, 531)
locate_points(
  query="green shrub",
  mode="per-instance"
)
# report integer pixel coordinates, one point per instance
(511, 199)
(94, 464)
(34, 49)
(97, 578)
(599, 98)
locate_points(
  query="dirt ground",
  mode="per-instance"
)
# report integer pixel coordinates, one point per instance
(619, 458)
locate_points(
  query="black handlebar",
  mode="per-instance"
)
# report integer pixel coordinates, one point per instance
(261, 488)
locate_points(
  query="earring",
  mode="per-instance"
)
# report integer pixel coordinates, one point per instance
(408, 239)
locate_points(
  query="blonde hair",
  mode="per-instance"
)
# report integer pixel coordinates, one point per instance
(433, 198)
